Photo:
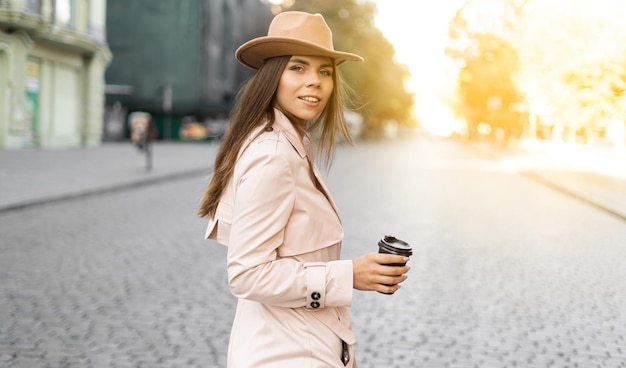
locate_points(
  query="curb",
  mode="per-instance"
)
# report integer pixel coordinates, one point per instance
(556, 185)
(573, 193)
(104, 190)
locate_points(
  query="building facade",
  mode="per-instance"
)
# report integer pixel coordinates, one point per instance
(53, 56)
(175, 60)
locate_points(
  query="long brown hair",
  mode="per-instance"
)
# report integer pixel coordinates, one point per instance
(254, 107)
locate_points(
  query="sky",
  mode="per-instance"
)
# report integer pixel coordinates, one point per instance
(418, 30)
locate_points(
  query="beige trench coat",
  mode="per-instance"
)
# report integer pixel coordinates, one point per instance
(284, 241)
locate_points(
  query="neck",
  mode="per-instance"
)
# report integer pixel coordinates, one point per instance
(297, 123)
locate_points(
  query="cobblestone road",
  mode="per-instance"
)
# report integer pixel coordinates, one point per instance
(506, 273)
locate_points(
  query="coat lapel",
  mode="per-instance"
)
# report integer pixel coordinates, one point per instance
(325, 190)
(285, 126)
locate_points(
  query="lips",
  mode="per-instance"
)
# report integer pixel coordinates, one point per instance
(311, 99)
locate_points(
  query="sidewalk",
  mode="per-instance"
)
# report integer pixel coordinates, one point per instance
(596, 175)
(29, 177)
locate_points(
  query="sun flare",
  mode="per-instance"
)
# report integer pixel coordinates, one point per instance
(418, 31)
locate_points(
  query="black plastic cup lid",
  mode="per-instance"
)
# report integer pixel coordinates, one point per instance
(395, 245)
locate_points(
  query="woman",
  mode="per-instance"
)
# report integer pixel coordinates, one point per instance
(267, 202)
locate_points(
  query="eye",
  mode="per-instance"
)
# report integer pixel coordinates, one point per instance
(326, 72)
(297, 68)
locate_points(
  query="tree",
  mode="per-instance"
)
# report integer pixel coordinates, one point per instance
(487, 92)
(574, 59)
(570, 60)
(379, 82)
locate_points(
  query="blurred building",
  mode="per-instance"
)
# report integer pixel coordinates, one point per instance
(53, 55)
(175, 60)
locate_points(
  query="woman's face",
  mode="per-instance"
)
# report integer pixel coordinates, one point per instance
(305, 87)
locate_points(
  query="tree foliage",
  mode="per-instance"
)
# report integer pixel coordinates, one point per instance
(574, 61)
(568, 60)
(487, 92)
(379, 82)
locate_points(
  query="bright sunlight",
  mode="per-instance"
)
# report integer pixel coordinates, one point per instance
(546, 73)
(419, 32)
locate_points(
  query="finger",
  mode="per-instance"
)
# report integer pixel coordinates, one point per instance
(389, 280)
(394, 270)
(384, 258)
(388, 289)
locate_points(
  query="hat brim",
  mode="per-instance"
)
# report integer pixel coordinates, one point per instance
(254, 52)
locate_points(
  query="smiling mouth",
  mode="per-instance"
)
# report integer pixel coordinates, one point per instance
(310, 99)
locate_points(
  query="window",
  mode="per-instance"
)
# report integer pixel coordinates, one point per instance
(63, 12)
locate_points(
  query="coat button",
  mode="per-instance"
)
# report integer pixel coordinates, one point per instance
(315, 295)
(315, 305)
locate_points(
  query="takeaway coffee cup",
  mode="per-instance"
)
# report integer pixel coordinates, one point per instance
(392, 245)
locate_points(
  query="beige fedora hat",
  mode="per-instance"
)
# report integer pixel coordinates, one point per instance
(293, 33)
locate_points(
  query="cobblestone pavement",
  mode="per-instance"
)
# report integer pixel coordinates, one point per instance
(506, 272)
(29, 177)
(118, 280)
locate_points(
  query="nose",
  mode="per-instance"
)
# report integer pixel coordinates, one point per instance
(313, 80)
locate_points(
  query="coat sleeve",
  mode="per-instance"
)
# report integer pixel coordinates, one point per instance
(263, 202)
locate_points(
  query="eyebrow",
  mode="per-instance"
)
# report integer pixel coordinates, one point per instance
(305, 62)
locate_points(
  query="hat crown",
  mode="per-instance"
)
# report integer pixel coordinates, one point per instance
(303, 27)
(293, 33)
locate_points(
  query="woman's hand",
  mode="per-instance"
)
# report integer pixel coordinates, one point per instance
(371, 273)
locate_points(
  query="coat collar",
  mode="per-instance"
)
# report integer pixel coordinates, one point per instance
(284, 125)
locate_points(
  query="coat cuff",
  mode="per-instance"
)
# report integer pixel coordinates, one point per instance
(315, 285)
(339, 283)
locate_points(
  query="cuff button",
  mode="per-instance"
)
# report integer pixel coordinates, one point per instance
(315, 295)
(315, 305)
